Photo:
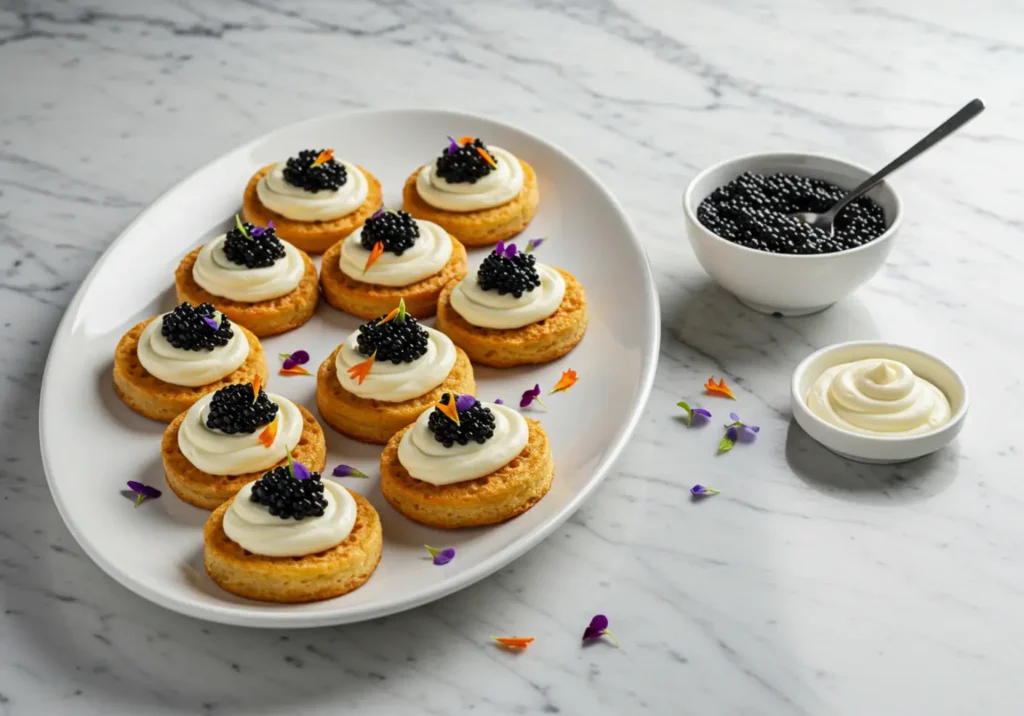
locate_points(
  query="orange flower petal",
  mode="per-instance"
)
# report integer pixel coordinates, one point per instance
(719, 389)
(467, 139)
(269, 434)
(514, 642)
(294, 370)
(359, 371)
(378, 249)
(256, 385)
(450, 410)
(567, 381)
(389, 317)
(487, 157)
(323, 157)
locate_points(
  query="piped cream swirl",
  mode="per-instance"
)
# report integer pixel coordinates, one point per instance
(428, 255)
(878, 397)
(218, 453)
(222, 277)
(250, 525)
(391, 383)
(488, 309)
(428, 460)
(189, 368)
(500, 186)
(296, 203)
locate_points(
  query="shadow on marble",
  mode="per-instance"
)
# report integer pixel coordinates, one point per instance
(844, 479)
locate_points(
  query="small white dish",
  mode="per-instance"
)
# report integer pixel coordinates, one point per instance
(868, 448)
(92, 443)
(785, 284)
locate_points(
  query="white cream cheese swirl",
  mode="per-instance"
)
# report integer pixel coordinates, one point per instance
(488, 309)
(218, 453)
(390, 383)
(428, 255)
(189, 368)
(878, 397)
(250, 525)
(296, 203)
(222, 277)
(500, 186)
(426, 459)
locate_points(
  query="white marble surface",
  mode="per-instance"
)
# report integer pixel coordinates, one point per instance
(809, 586)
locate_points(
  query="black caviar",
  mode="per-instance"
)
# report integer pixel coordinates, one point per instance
(299, 171)
(466, 165)
(289, 498)
(257, 247)
(476, 424)
(396, 230)
(400, 340)
(753, 210)
(233, 410)
(184, 327)
(515, 274)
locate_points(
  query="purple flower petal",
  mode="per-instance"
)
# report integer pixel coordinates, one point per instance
(702, 413)
(453, 146)
(499, 401)
(256, 231)
(288, 363)
(732, 434)
(596, 627)
(464, 402)
(510, 251)
(347, 471)
(150, 493)
(270, 225)
(735, 417)
(378, 212)
(499, 248)
(211, 322)
(702, 491)
(533, 244)
(444, 556)
(299, 471)
(529, 396)
(299, 357)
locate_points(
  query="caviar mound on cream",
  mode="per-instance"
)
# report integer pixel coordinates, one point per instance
(878, 397)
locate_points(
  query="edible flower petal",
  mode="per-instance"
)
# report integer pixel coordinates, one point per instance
(294, 370)
(450, 409)
(241, 227)
(531, 395)
(693, 415)
(257, 384)
(396, 314)
(499, 248)
(487, 157)
(464, 402)
(359, 371)
(441, 556)
(468, 139)
(297, 469)
(143, 492)
(260, 230)
(453, 146)
(499, 401)
(378, 249)
(703, 491)
(514, 642)
(212, 323)
(597, 628)
(293, 359)
(567, 381)
(510, 251)
(728, 440)
(347, 471)
(719, 389)
(322, 158)
(744, 431)
(534, 244)
(269, 434)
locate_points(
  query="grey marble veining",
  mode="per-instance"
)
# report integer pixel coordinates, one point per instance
(809, 586)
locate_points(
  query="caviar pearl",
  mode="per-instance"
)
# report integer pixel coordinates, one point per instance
(466, 165)
(396, 230)
(289, 498)
(398, 341)
(185, 329)
(516, 275)
(233, 410)
(754, 210)
(475, 425)
(299, 171)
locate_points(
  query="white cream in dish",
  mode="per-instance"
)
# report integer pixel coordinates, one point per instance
(878, 397)
(429, 254)
(428, 460)
(191, 369)
(498, 187)
(393, 383)
(488, 309)
(250, 525)
(218, 453)
(222, 277)
(296, 203)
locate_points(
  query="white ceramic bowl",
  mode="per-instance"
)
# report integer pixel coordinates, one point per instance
(790, 285)
(866, 448)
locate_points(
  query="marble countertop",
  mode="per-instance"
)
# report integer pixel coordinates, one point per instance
(811, 585)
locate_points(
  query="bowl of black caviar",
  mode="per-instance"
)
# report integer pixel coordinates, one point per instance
(739, 217)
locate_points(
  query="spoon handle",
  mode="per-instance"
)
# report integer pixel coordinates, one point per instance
(968, 112)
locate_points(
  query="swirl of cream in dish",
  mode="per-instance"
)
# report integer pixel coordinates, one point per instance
(428, 255)
(390, 383)
(500, 186)
(488, 309)
(189, 368)
(296, 203)
(216, 273)
(428, 460)
(250, 525)
(218, 453)
(878, 397)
